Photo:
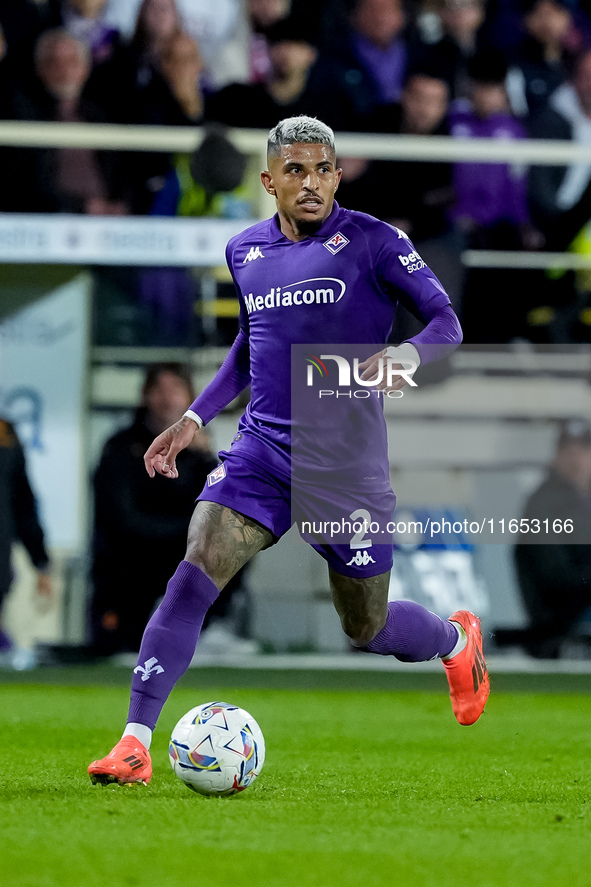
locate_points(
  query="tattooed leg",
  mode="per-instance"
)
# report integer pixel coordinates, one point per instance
(399, 628)
(222, 540)
(362, 604)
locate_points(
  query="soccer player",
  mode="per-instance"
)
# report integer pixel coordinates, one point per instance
(246, 504)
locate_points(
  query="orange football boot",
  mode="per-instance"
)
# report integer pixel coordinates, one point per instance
(466, 672)
(127, 763)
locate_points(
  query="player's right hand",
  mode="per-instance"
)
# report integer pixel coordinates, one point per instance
(161, 454)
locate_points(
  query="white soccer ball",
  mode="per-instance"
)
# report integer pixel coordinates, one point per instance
(217, 749)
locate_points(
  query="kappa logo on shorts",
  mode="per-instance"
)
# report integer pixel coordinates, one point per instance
(361, 560)
(215, 476)
(336, 243)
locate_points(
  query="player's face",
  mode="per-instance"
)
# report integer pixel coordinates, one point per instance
(303, 179)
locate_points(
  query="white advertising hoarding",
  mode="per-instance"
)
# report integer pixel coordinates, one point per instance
(43, 358)
(114, 240)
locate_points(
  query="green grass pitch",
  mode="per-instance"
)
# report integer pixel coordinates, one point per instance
(368, 782)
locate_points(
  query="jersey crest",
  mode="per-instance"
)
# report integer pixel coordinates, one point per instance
(336, 243)
(215, 476)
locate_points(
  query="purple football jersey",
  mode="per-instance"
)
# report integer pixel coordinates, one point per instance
(339, 286)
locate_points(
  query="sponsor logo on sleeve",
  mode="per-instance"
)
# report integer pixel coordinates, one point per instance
(412, 262)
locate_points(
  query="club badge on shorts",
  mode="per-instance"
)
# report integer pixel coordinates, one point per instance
(215, 476)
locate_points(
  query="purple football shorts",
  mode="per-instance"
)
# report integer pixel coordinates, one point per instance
(348, 528)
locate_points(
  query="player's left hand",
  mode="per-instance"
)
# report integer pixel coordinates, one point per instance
(161, 454)
(371, 371)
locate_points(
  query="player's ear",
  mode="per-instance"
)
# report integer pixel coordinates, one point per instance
(338, 174)
(267, 180)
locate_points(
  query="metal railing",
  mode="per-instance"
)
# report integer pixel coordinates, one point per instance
(371, 146)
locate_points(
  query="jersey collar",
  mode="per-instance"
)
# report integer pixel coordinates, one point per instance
(328, 227)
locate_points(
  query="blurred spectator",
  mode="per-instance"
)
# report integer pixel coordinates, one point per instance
(62, 179)
(165, 181)
(218, 26)
(555, 575)
(415, 196)
(140, 523)
(461, 22)
(559, 195)
(175, 96)
(367, 67)
(84, 20)
(412, 195)
(262, 14)
(491, 206)
(5, 104)
(560, 200)
(488, 195)
(545, 59)
(285, 92)
(155, 79)
(208, 183)
(505, 28)
(21, 22)
(220, 29)
(18, 519)
(130, 83)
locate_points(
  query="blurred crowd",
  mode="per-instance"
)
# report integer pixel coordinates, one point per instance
(504, 69)
(496, 69)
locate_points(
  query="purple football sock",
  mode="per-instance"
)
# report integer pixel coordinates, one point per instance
(413, 634)
(169, 642)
